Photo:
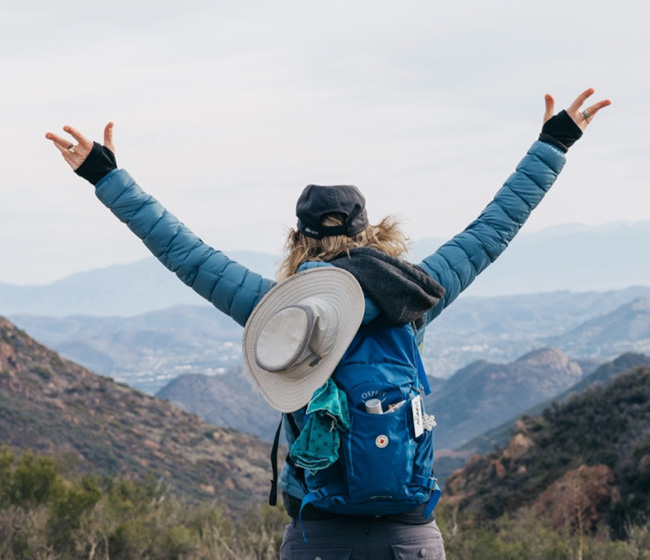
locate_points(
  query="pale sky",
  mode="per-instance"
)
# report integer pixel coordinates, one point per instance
(225, 110)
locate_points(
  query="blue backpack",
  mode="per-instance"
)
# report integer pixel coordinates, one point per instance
(385, 463)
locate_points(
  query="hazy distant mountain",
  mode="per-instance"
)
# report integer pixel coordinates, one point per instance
(623, 330)
(484, 394)
(53, 406)
(502, 328)
(229, 400)
(145, 351)
(125, 289)
(566, 257)
(577, 258)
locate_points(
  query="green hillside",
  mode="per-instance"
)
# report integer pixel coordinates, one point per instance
(593, 450)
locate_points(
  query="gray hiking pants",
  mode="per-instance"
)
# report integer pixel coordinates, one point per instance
(357, 538)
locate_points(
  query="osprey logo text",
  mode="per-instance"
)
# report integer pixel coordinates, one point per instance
(373, 395)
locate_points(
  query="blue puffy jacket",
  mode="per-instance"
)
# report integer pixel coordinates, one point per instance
(236, 290)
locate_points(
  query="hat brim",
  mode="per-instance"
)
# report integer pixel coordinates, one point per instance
(288, 393)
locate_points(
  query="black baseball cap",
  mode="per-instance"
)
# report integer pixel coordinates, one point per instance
(316, 201)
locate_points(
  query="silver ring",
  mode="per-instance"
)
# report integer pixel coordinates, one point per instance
(586, 115)
(71, 148)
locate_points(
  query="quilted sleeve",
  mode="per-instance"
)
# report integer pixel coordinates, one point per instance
(229, 286)
(456, 264)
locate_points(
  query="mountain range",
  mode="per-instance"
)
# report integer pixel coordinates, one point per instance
(625, 329)
(147, 351)
(117, 290)
(484, 394)
(570, 257)
(573, 257)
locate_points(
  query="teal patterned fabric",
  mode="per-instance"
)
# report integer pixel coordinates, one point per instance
(317, 447)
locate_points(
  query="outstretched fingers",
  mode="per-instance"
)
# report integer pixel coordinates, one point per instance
(73, 155)
(575, 106)
(62, 143)
(593, 109)
(582, 117)
(80, 138)
(69, 156)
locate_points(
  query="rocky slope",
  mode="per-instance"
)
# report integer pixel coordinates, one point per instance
(53, 406)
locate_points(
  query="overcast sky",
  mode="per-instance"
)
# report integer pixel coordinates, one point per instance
(225, 110)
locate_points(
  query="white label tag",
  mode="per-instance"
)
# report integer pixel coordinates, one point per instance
(418, 422)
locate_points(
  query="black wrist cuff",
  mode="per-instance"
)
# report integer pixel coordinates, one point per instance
(99, 163)
(561, 131)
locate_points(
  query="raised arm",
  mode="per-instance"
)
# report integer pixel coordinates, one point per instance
(228, 285)
(458, 262)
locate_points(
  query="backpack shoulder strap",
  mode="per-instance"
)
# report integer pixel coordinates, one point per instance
(273, 496)
(300, 473)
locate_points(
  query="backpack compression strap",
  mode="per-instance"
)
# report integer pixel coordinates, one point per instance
(431, 482)
(316, 495)
(422, 375)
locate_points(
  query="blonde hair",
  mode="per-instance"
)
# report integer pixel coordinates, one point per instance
(387, 237)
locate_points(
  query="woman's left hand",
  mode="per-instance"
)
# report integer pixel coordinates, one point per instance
(581, 118)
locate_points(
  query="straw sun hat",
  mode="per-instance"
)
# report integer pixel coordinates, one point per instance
(299, 331)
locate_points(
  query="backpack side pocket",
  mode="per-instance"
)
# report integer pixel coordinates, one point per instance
(379, 455)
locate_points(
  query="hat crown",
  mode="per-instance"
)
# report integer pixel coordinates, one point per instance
(294, 334)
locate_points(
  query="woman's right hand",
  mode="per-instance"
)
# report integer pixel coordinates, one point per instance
(76, 155)
(88, 159)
